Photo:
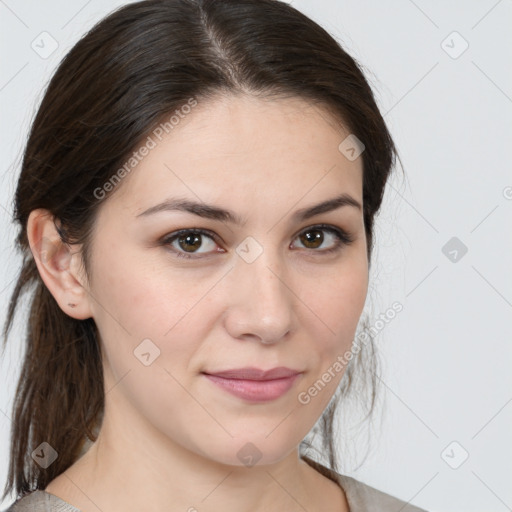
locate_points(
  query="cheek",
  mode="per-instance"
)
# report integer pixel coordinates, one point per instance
(143, 298)
(151, 325)
(146, 313)
(340, 302)
(339, 309)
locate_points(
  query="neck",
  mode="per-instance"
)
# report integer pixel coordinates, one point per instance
(124, 473)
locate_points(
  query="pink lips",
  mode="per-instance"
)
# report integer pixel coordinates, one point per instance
(254, 384)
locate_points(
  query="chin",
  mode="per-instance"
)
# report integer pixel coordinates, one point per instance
(248, 451)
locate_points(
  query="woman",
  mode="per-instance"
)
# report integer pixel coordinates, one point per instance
(196, 208)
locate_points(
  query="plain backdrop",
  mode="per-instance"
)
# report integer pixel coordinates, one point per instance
(442, 76)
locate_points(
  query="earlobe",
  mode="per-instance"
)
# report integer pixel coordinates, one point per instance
(54, 261)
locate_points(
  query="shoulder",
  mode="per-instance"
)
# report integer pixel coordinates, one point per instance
(362, 497)
(41, 501)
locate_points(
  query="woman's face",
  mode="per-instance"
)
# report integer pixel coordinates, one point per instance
(266, 292)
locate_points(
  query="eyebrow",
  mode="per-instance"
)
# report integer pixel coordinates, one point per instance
(220, 214)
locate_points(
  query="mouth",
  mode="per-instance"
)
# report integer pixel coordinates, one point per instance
(253, 384)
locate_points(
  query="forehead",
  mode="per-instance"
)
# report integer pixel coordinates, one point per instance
(242, 151)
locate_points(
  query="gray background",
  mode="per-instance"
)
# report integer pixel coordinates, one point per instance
(446, 380)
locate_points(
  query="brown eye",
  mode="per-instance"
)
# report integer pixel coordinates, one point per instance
(314, 237)
(187, 242)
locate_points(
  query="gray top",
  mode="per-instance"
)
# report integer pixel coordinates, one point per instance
(360, 497)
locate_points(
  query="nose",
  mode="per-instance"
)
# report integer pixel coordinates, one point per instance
(261, 302)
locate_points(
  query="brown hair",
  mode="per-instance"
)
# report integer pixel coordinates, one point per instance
(142, 62)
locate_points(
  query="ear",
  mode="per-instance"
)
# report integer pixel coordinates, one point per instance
(58, 265)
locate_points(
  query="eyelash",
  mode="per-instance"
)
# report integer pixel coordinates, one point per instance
(343, 239)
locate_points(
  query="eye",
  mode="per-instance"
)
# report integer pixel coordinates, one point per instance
(313, 238)
(186, 242)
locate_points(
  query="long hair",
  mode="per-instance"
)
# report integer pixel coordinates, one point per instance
(133, 68)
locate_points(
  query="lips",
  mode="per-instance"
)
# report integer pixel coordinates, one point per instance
(251, 373)
(254, 384)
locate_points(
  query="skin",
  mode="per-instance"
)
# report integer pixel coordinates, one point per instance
(169, 438)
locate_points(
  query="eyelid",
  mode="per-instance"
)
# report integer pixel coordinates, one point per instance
(343, 238)
(168, 239)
